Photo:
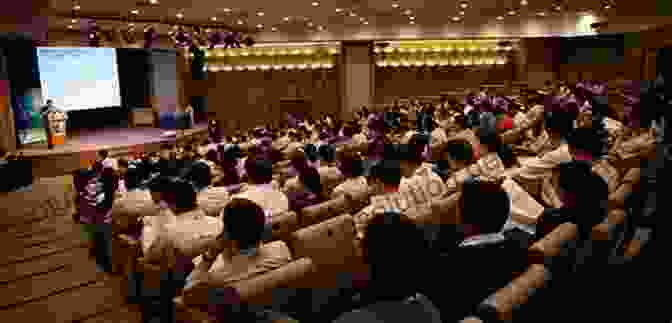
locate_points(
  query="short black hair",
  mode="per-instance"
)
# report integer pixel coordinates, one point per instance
(491, 216)
(460, 149)
(212, 156)
(351, 164)
(198, 173)
(260, 171)
(589, 139)
(244, 222)
(560, 122)
(310, 178)
(590, 190)
(388, 171)
(159, 184)
(133, 178)
(327, 153)
(386, 234)
(181, 194)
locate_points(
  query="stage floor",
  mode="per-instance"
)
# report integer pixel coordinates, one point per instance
(81, 146)
(108, 138)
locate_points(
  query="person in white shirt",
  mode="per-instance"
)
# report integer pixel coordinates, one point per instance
(260, 189)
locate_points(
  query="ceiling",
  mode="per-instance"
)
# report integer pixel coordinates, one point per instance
(301, 20)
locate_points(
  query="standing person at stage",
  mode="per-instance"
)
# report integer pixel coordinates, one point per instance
(44, 111)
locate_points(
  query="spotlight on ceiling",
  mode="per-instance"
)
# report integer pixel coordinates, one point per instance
(285, 19)
(315, 3)
(365, 22)
(607, 6)
(541, 14)
(76, 7)
(456, 18)
(500, 18)
(74, 21)
(135, 11)
(353, 14)
(523, 2)
(320, 28)
(179, 16)
(412, 22)
(153, 1)
(260, 26)
(240, 22)
(213, 18)
(411, 18)
(464, 5)
(462, 12)
(339, 10)
(274, 29)
(70, 27)
(395, 5)
(512, 12)
(408, 12)
(557, 7)
(310, 24)
(227, 10)
(260, 14)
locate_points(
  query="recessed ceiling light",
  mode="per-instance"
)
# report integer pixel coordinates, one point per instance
(353, 14)
(412, 22)
(285, 19)
(362, 18)
(464, 5)
(179, 16)
(76, 7)
(557, 7)
(512, 12)
(411, 17)
(408, 12)
(523, 2)
(260, 26)
(135, 11)
(260, 14)
(456, 18)
(240, 22)
(315, 3)
(74, 21)
(153, 1)
(227, 10)
(310, 24)
(213, 18)
(320, 27)
(395, 5)
(541, 14)
(339, 10)
(366, 22)
(607, 6)
(500, 18)
(70, 27)
(274, 29)
(462, 13)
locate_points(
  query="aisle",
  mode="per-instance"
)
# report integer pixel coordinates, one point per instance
(45, 272)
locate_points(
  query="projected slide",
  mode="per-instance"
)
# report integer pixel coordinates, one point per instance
(79, 78)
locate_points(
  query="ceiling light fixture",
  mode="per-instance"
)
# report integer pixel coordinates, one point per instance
(607, 6)
(76, 7)
(464, 5)
(69, 26)
(412, 22)
(260, 14)
(213, 18)
(395, 5)
(227, 10)
(240, 22)
(135, 11)
(500, 18)
(541, 14)
(153, 1)
(523, 2)
(320, 28)
(366, 22)
(285, 19)
(408, 12)
(315, 3)
(260, 26)
(557, 7)
(274, 29)
(179, 16)
(131, 25)
(456, 18)
(74, 21)
(362, 18)
(339, 10)
(512, 12)
(411, 18)
(462, 13)
(353, 14)
(310, 24)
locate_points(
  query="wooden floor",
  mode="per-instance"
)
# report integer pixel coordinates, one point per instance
(45, 272)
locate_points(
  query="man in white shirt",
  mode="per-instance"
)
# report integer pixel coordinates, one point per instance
(261, 190)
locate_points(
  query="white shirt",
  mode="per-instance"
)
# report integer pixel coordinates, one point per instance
(267, 197)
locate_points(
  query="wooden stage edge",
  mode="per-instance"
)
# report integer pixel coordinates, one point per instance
(72, 156)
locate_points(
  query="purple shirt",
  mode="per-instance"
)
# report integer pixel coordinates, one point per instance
(89, 200)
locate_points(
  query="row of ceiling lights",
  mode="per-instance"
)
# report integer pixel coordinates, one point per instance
(498, 61)
(407, 12)
(228, 68)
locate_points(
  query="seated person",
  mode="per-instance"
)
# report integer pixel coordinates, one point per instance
(415, 172)
(388, 298)
(351, 165)
(456, 156)
(310, 192)
(261, 190)
(198, 173)
(384, 178)
(490, 141)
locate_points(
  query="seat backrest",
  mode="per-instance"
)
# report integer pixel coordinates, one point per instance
(447, 210)
(328, 209)
(331, 242)
(358, 200)
(282, 225)
(544, 250)
(330, 178)
(499, 306)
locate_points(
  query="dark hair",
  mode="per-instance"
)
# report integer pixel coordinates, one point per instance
(388, 171)
(589, 190)
(386, 234)
(592, 140)
(198, 174)
(260, 171)
(490, 216)
(310, 178)
(327, 153)
(181, 194)
(244, 222)
(103, 153)
(159, 184)
(560, 122)
(110, 182)
(211, 155)
(311, 152)
(122, 162)
(351, 164)
(460, 149)
(133, 178)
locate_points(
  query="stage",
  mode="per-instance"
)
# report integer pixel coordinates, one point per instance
(81, 146)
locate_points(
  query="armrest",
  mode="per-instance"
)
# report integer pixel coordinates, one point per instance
(603, 231)
(551, 245)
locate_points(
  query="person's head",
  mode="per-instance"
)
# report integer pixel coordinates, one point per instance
(180, 195)
(212, 156)
(327, 153)
(559, 123)
(198, 174)
(488, 217)
(458, 154)
(410, 155)
(133, 178)
(158, 186)
(310, 179)
(243, 223)
(259, 171)
(122, 164)
(384, 175)
(580, 188)
(586, 143)
(350, 164)
(386, 234)
(50, 102)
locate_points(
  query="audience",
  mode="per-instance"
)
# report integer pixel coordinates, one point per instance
(260, 189)
(310, 192)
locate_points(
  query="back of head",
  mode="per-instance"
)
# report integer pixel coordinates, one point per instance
(259, 171)
(327, 153)
(583, 188)
(243, 222)
(460, 150)
(387, 234)
(560, 122)
(490, 216)
(588, 143)
(133, 178)
(387, 171)
(103, 154)
(350, 164)
(198, 174)
(310, 178)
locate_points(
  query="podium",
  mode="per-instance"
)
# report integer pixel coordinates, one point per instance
(56, 129)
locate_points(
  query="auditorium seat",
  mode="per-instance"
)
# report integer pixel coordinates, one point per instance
(553, 244)
(317, 213)
(125, 251)
(471, 319)
(628, 185)
(503, 304)
(358, 200)
(282, 225)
